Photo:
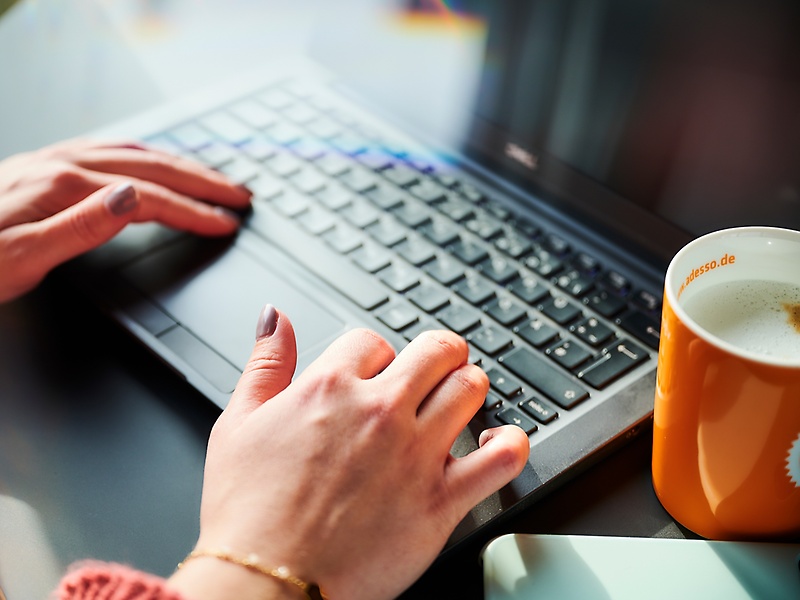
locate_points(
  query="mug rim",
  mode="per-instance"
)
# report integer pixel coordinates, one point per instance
(670, 292)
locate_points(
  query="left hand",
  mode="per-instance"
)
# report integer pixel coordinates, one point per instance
(65, 199)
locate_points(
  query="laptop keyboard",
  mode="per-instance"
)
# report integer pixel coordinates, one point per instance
(421, 246)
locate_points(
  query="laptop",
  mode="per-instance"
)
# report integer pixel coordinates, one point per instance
(518, 172)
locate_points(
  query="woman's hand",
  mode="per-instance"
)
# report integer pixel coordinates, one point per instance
(344, 475)
(65, 199)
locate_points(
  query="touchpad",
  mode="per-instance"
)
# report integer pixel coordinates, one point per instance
(217, 290)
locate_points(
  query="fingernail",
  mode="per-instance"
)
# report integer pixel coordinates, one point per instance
(122, 199)
(267, 322)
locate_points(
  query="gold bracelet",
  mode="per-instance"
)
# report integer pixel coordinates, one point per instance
(311, 590)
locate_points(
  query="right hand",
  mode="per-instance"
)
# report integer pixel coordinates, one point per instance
(345, 475)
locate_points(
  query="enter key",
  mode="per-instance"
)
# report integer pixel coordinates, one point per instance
(612, 363)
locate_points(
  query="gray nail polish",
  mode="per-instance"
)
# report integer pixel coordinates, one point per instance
(267, 322)
(122, 199)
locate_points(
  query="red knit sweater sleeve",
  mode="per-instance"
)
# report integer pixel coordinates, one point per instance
(111, 581)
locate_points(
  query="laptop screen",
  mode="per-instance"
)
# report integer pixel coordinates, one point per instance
(667, 118)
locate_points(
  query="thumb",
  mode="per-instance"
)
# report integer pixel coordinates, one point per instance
(271, 365)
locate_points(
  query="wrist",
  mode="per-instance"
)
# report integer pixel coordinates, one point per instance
(211, 574)
(205, 578)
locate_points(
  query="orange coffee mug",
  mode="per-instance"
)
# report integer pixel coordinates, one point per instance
(726, 437)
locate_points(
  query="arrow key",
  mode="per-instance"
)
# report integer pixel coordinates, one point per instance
(511, 416)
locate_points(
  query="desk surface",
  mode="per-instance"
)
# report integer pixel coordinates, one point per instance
(101, 446)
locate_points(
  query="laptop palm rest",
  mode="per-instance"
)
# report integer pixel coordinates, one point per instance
(213, 292)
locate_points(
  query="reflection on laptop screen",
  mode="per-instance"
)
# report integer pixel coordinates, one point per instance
(688, 109)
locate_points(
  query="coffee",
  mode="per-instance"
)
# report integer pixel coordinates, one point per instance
(762, 317)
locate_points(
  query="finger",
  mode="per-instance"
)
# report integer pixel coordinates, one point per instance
(359, 352)
(175, 210)
(451, 405)
(502, 455)
(423, 363)
(184, 176)
(270, 367)
(157, 203)
(86, 224)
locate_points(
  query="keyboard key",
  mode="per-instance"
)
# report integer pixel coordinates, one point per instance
(490, 339)
(372, 258)
(498, 269)
(413, 214)
(511, 416)
(427, 191)
(505, 384)
(615, 282)
(308, 180)
(647, 301)
(343, 238)
(491, 401)
(536, 332)
(429, 297)
(505, 311)
(469, 252)
(316, 220)
(385, 196)
(568, 354)
(561, 310)
(291, 203)
(416, 250)
(284, 164)
(528, 289)
(399, 277)
(359, 179)
(575, 283)
(605, 303)
(542, 262)
(387, 231)
(191, 136)
(401, 175)
(333, 164)
(459, 318)
(512, 243)
(457, 209)
(642, 326)
(441, 231)
(445, 270)
(475, 290)
(241, 170)
(360, 213)
(484, 226)
(592, 331)
(613, 363)
(335, 197)
(539, 410)
(544, 377)
(397, 316)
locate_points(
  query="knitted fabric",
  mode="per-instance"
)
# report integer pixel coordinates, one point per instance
(111, 581)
